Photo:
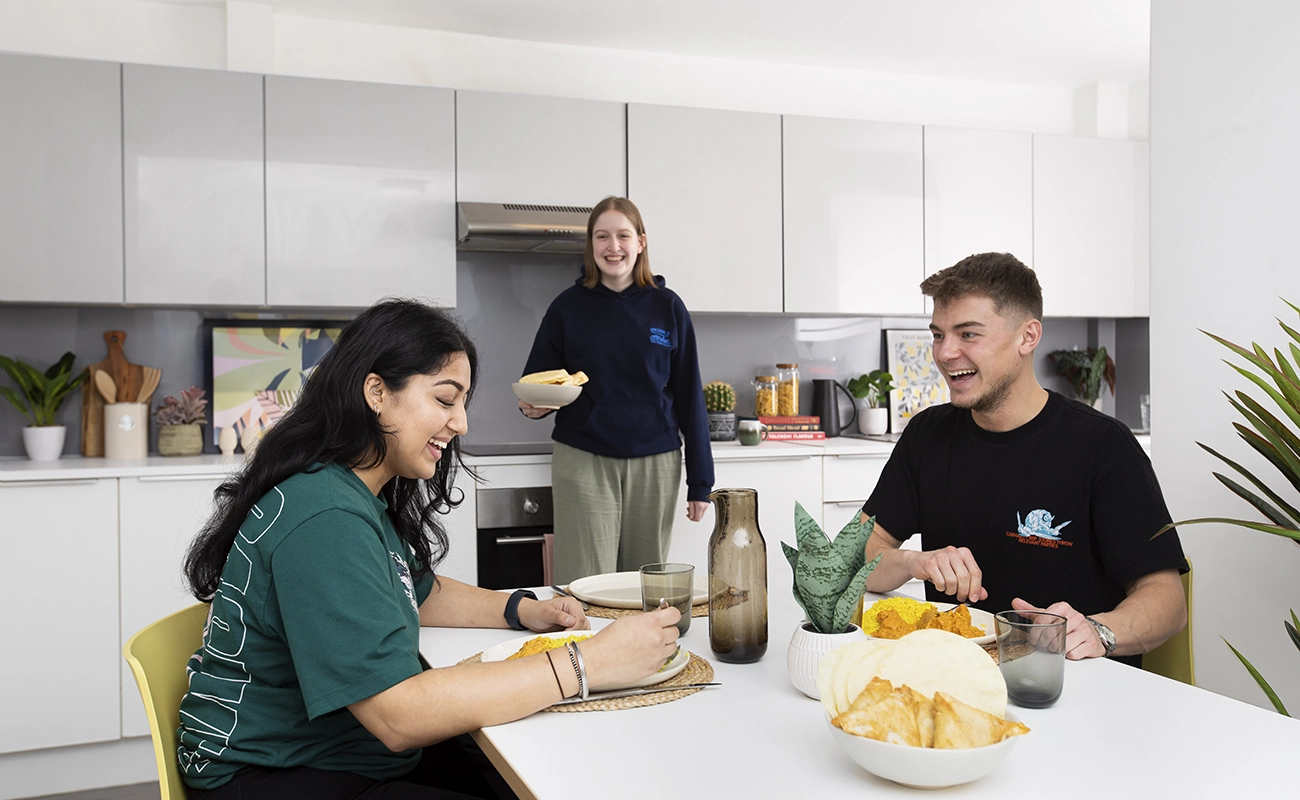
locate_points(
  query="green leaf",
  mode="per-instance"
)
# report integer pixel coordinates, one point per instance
(1291, 631)
(1240, 523)
(825, 571)
(1277, 499)
(1261, 505)
(1283, 441)
(1282, 402)
(17, 400)
(1269, 452)
(1259, 679)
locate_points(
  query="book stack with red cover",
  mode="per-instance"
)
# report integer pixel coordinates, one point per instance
(793, 429)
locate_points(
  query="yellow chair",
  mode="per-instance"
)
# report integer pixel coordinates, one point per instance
(157, 655)
(1174, 659)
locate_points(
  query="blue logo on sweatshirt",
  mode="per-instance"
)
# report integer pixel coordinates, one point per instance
(661, 336)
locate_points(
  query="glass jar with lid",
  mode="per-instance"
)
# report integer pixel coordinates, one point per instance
(787, 390)
(765, 396)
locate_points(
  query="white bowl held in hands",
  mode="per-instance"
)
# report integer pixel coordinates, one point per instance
(546, 395)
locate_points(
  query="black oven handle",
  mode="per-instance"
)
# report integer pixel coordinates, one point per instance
(520, 539)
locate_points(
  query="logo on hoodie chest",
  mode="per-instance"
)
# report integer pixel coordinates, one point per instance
(662, 337)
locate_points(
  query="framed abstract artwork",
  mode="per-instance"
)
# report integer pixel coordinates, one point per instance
(918, 384)
(256, 368)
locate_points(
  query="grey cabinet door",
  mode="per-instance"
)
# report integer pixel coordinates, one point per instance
(360, 192)
(193, 163)
(60, 180)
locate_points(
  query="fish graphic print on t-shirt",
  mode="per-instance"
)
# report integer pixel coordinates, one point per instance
(1039, 523)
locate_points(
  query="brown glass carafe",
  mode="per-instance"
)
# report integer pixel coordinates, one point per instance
(737, 578)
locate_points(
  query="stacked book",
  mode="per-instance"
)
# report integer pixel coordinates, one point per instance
(793, 429)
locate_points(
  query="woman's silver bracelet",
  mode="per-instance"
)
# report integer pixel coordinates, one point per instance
(579, 668)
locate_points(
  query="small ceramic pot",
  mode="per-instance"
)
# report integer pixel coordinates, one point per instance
(180, 440)
(722, 426)
(807, 647)
(44, 443)
(872, 421)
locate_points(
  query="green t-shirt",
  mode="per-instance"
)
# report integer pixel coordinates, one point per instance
(316, 610)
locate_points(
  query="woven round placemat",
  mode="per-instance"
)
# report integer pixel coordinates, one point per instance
(698, 670)
(605, 612)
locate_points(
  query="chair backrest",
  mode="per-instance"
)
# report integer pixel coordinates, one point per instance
(1174, 659)
(157, 655)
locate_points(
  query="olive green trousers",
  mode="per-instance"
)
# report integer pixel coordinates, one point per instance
(611, 514)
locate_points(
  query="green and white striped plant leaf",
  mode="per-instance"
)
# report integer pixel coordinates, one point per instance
(829, 577)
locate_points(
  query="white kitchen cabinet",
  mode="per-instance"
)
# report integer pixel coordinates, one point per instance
(360, 193)
(854, 241)
(194, 206)
(61, 192)
(1091, 212)
(60, 677)
(708, 184)
(979, 195)
(159, 517)
(520, 148)
(848, 480)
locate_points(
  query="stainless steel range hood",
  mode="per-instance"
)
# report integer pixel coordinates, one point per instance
(519, 228)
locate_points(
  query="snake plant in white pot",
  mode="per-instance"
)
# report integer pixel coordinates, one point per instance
(1277, 439)
(41, 398)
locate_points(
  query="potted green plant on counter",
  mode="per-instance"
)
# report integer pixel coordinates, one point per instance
(1085, 370)
(871, 390)
(180, 423)
(720, 403)
(41, 398)
(1277, 439)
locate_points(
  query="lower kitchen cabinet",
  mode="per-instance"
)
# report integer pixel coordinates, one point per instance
(159, 517)
(60, 677)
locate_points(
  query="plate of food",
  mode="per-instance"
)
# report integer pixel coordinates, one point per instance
(552, 388)
(541, 642)
(895, 617)
(623, 589)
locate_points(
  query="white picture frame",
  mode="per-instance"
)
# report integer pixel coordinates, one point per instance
(918, 383)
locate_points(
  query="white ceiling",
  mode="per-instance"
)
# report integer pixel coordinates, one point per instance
(1062, 43)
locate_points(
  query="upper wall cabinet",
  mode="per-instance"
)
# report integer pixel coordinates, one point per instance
(1091, 213)
(194, 216)
(853, 217)
(61, 190)
(519, 148)
(979, 195)
(360, 193)
(708, 184)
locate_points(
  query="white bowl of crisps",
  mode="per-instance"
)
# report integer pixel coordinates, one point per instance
(541, 642)
(928, 710)
(553, 388)
(895, 617)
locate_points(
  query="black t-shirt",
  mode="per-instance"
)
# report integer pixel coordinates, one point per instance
(1061, 508)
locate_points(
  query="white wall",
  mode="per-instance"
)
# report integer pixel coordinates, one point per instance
(1225, 123)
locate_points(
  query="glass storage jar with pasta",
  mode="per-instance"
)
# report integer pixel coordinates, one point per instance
(765, 396)
(787, 390)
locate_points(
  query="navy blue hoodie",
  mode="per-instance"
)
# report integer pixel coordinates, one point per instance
(638, 350)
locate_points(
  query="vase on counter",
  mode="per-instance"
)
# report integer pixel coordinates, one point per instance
(180, 440)
(44, 442)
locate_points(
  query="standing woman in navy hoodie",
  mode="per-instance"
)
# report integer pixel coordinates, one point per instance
(616, 467)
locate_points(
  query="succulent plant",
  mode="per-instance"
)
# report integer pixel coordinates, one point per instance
(186, 411)
(829, 577)
(719, 397)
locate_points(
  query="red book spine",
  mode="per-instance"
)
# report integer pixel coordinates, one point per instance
(805, 420)
(787, 436)
(797, 426)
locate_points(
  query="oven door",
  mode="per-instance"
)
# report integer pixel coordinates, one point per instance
(514, 527)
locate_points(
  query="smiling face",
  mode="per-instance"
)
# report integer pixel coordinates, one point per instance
(420, 421)
(615, 245)
(986, 358)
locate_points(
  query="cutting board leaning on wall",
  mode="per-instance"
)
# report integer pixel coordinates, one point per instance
(128, 377)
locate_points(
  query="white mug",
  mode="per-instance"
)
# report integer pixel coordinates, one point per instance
(751, 431)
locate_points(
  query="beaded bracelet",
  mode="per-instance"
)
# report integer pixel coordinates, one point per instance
(579, 668)
(551, 661)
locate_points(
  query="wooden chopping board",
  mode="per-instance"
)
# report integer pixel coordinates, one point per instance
(92, 404)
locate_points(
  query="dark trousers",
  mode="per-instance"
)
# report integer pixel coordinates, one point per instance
(450, 770)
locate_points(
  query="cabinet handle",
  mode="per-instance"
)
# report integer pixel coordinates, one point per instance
(68, 482)
(879, 456)
(765, 458)
(849, 502)
(176, 478)
(520, 539)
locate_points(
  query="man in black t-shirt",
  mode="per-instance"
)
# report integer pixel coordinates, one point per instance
(1024, 499)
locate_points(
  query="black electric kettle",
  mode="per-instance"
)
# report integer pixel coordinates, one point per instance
(825, 404)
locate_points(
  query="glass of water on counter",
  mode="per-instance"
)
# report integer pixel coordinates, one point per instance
(1031, 656)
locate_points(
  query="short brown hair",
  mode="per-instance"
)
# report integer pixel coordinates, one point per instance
(641, 274)
(1001, 277)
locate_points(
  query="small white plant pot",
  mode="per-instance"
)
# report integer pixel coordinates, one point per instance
(872, 421)
(807, 647)
(44, 443)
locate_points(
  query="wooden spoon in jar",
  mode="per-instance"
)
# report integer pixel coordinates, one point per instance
(106, 385)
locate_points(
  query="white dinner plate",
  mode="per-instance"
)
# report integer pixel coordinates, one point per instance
(623, 589)
(978, 618)
(499, 652)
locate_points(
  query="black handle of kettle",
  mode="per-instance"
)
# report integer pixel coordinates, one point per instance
(852, 404)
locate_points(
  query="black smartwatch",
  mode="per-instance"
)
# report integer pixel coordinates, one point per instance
(512, 608)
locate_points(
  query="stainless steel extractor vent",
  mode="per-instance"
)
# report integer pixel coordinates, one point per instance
(521, 228)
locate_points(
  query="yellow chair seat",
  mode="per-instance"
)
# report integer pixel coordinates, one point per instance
(157, 655)
(1174, 658)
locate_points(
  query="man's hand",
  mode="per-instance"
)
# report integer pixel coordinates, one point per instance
(558, 613)
(953, 571)
(1081, 639)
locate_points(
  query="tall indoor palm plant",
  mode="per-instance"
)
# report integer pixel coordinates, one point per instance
(1278, 442)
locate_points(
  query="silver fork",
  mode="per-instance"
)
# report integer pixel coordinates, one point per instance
(555, 588)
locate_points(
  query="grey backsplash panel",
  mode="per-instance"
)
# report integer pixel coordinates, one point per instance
(502, 298)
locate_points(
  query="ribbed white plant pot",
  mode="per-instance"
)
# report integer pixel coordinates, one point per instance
(44, 443)
(807, 647)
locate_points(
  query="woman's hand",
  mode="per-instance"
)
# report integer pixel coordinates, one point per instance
(631, 648)
(558, 613)
(695, 509)
(532, 411)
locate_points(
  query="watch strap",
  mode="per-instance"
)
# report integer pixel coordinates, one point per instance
(1106, 635)
(512, 608)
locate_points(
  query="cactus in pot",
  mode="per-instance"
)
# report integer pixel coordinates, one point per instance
(720, 403)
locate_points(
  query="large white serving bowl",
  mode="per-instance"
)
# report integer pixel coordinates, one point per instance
(546, 395)
(923, 767)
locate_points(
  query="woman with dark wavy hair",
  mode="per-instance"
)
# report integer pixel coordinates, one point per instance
(320, 563)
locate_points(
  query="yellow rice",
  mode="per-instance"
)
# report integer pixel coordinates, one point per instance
(910, 610)
(541, 644)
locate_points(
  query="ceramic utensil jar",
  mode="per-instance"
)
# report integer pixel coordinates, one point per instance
(126, 430)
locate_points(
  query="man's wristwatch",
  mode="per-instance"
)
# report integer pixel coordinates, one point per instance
(512, 609)
(1106, 634)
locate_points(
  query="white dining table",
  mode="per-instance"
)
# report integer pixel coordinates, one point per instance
(1117, 731)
